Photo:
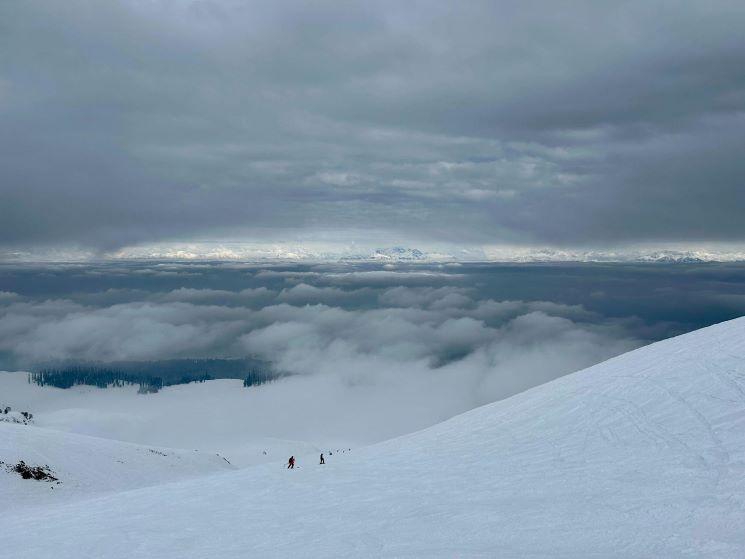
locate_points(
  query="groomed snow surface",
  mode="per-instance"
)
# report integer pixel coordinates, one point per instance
(640, 456)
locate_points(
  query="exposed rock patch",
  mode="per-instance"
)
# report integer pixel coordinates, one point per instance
(38, 473)
(23, 417)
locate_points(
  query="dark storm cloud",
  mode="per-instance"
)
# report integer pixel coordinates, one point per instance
(467, 122)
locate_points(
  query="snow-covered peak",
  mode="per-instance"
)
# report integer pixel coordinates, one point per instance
(398, 253)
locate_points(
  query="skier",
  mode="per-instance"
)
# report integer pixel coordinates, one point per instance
(291, 463)
(322, 460)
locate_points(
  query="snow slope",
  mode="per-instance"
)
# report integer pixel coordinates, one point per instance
(639, 456)
(218, 416)
(87, 466)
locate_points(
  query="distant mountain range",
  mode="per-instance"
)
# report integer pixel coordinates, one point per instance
(398, 253)
(394, 253)
(658, 256)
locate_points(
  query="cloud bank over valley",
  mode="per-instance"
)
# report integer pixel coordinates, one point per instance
(397, 348)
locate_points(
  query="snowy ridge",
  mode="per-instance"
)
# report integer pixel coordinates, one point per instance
(660, 256)
(336, 252)
(437, 254)
(88, 466)
(284, 252)
(640, 456)
(210, 416)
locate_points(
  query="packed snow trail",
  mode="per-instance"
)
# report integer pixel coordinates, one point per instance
(640, 456)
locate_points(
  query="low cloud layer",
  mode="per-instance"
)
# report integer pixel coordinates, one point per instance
(388, 358)
(387, 371)
(371, 352)
(434, 326)
(472, 123)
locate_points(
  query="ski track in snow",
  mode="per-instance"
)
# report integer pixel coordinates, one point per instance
(640, 456)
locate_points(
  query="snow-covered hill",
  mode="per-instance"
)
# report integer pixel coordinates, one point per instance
(218, 416)
(87, 466)
(640, 456)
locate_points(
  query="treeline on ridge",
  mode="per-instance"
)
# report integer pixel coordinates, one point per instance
(151, 376)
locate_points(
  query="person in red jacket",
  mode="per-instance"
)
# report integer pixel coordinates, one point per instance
(291, 463)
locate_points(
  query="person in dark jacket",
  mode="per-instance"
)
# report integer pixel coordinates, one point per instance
(291, 463)
(322, 460)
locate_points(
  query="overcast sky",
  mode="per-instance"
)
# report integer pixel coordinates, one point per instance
(583, 123)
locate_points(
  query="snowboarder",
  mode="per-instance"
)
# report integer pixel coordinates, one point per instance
(291, 463)
(322, 460)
